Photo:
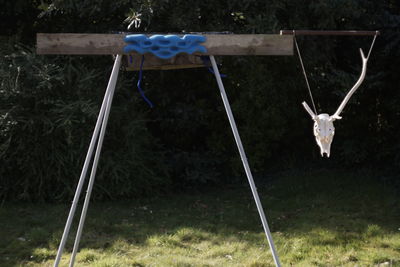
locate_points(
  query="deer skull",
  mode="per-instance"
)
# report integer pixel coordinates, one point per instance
(323, 123)
(324, 132)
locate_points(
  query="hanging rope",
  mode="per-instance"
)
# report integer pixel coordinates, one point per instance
(140, 82)
(372, 45)
(304, 72)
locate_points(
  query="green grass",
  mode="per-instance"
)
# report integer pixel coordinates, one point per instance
(317, 219)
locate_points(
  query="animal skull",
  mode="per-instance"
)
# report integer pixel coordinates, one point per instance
(323, 123)
(324, 132)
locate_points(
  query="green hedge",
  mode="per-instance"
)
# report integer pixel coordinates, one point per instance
(49, 104)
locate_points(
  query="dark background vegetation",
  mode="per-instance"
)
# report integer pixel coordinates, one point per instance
(49, 104)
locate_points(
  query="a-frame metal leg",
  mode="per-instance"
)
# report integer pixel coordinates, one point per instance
(101, 125)
(244, 161)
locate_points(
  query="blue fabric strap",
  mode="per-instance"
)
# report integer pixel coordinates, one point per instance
(140, 82)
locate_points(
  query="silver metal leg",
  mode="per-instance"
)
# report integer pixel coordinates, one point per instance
(101, 123)
(112, 83)
(244, 161)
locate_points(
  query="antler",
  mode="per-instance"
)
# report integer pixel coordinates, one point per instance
(308, 109)
(352, 90)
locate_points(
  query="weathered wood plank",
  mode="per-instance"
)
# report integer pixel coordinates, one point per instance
(180, 61)
(216, 44)
(249, 44)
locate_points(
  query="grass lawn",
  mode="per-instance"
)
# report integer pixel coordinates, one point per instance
(316, 219)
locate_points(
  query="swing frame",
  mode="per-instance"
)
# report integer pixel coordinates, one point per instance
(112, 44)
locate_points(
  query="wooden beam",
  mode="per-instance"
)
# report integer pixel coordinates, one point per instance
(216, 44)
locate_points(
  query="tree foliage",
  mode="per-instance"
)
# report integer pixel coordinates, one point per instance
(49, 103)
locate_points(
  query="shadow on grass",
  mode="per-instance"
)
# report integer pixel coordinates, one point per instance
(306, 211)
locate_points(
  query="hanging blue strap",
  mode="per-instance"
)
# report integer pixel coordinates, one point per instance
(140, 82)
(207, 63)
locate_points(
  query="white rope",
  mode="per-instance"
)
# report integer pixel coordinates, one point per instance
(372, 45)
(304, 72)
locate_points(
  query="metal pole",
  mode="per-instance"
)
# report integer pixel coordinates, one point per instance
(244, 161)
(85, 167)
(111, 84)
(310, 32)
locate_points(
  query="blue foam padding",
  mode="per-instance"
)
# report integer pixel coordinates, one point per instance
(164, 46)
